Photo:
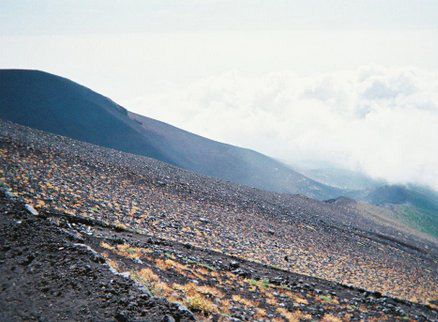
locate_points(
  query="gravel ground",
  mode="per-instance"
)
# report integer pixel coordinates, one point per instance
(46, 274)
(58, 267)
(60, 176)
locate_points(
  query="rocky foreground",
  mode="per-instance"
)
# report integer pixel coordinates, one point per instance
(47, 274)
(123, 237)
(59, 267)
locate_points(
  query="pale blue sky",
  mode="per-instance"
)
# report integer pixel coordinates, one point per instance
(120, 16)
(126, 47)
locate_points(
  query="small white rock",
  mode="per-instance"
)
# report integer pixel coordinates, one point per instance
(31, 210)
(9, 194)
(125, 274)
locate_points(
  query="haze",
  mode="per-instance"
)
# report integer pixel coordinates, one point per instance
(350, 84)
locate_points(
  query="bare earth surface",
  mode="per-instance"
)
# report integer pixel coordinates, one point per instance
(331, 241)
(47, 274)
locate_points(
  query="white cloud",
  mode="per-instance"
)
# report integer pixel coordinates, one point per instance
(381, 121)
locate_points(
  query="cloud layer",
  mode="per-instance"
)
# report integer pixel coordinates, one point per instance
(383, 122)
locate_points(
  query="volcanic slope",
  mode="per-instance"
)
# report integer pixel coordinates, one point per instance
(60, 176)
(58, 105)
(60, 267)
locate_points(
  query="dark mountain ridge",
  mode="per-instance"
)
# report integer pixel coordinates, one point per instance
(398, 194)
(57, 105)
